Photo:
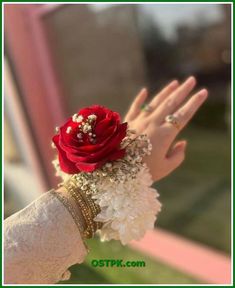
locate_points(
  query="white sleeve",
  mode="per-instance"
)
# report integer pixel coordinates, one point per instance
(41, 242)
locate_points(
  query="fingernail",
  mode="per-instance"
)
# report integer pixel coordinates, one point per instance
(174, 83)
(141, 91)
(184, 143)
(192, 78)
(203, 94)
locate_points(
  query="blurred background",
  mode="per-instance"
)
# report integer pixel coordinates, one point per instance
(60, 57)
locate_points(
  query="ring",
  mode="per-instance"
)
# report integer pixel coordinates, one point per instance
(146, 108)
(172, 120)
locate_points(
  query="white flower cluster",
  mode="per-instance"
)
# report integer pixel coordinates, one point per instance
(122, 189)
(128, 209)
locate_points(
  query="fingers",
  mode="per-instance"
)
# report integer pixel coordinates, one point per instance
(171, 103)
(165, 92)
(187, 111)
(176, 155)
(136, 105)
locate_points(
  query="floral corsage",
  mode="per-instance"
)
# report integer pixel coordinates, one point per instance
(105, 159)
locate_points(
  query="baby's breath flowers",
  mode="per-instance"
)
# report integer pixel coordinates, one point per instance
(122, 189)
(89, 139)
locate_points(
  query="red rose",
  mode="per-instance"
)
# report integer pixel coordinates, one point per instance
(89, 139)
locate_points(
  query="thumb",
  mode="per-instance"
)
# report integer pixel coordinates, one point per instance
(177, 154)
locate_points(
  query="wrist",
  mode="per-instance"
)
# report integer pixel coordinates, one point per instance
(81, 207)
(85, 205)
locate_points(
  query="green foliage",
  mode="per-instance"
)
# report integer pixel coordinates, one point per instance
(197, 197)
(212, 116)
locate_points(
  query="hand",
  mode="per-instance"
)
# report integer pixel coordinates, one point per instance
(166, 156)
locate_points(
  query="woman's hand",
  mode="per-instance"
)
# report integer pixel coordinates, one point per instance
(165, 156)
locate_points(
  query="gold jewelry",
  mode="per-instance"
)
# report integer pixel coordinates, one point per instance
(92, 206)
(68, 205)
(173, 120)
(89, 230)
(89, 209)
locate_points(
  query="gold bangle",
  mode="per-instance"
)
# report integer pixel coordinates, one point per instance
(89, 209)
(82, 207)
(90, 229)
(87, 197)
(94, 209)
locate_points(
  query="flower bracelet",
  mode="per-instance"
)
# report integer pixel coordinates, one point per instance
(101, 165)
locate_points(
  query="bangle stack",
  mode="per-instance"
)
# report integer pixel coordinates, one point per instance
(87, 206)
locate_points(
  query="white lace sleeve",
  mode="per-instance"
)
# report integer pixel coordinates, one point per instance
(41, 242)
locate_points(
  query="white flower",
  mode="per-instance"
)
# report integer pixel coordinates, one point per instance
(77, 118)
(128, 209)
(59, 172)
(122, 189)
(92, 117)
(69, 129)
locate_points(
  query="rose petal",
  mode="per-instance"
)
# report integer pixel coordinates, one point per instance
(94, 147)
(116, 155)
(75, 156)
(113, 144)
(88, 167)
(101, 126)
(107, 134)
(98, 110)
(65, 164)
(70, 139)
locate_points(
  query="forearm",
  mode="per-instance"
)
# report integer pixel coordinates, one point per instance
(110, 193)
(41, 242)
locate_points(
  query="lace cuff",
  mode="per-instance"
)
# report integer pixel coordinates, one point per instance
(41, 242)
